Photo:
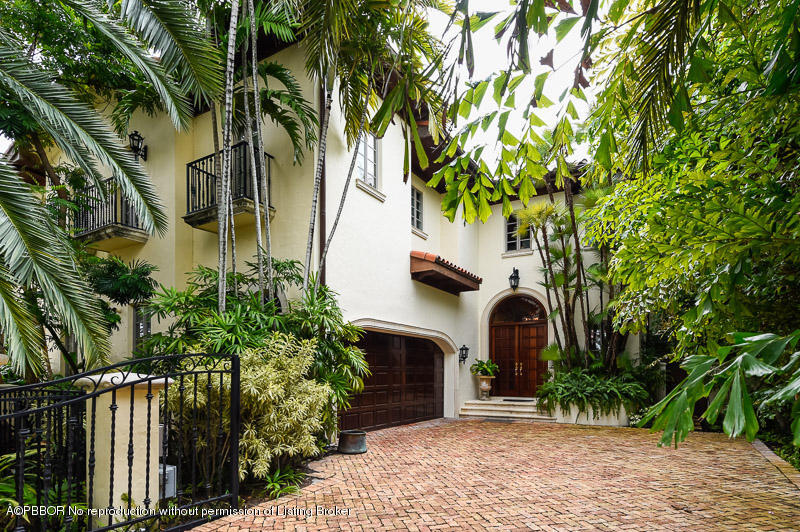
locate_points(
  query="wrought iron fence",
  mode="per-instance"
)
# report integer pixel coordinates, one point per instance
(98, 212)
(147, 444)
(201, 191)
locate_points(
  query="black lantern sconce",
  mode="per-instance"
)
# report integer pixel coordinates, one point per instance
(513, 280)
(463, 354)
(137, 145)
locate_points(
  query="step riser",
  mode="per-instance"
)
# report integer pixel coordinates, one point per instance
(496, 413)
(503, 410)
(490, 413)
(536, 419)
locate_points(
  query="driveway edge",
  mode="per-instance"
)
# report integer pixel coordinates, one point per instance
(786, 469)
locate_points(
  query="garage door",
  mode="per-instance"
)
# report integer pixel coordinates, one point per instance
(406, 385)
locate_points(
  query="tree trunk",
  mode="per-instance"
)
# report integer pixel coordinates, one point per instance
(232, 228)
(579, 273)
(223, 194)
(256, 200)
(326, 111)
(61, 347)
(347, 181)
(547, 287)
(261, 159)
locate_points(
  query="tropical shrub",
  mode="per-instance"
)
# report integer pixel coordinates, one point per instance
(337, 362)
(282, 481)
(281, 409)
(195, 324)
(194, 318)
(485, 368)
(55, 496)
(764, 366)
(582, 389)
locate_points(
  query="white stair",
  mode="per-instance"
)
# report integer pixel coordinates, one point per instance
(497, 408)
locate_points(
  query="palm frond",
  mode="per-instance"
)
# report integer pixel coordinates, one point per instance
(23, 339)
(34, 251)
(325, 24)
(662, 50)
(174, 100)
(288, 107)
(80, 133)
(172, 30)
(276, 20)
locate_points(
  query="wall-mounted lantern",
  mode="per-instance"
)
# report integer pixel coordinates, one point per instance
(137, 145)
(513, 280)
(463, 354)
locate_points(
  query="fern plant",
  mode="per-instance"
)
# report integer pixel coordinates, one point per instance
(582, 389)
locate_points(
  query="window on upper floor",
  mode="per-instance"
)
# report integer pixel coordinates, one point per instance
(141, 326)
(416, 208)
(514, 242)
(367, 161)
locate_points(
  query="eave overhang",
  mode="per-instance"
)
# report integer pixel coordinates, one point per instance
(433, 270)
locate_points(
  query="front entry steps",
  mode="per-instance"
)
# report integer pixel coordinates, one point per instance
(505, 408)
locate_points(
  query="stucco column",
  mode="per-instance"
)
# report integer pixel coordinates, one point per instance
(122, 444)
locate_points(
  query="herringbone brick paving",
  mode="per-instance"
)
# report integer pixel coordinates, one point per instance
(474, 474)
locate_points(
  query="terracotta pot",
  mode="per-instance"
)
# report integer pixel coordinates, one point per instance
(484, 385)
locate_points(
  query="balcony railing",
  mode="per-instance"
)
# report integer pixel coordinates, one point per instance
(109, 218)
(201, 191)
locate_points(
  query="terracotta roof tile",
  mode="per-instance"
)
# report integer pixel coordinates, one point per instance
(438, 259)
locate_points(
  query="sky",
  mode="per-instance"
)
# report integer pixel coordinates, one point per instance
(491, 57)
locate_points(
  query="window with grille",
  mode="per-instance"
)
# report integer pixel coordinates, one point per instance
(416, 208)
(141, 326)
(367, 162)
(514, 242)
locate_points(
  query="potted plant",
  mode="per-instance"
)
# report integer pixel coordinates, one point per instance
(485, 370)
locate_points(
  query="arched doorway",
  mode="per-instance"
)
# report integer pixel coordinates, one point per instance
(517, 335)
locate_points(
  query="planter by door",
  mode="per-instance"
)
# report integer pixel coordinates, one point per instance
(484, 386)
(517, 335)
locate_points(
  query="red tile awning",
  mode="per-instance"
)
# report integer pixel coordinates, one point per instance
(440, 273)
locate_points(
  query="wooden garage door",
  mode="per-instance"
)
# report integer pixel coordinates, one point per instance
(406, 385)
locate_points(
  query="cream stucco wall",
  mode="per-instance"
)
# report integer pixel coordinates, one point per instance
(368, 263)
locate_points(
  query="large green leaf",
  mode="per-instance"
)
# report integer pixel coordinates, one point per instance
(171, 29)
(172, 97)
(81, 134)
(35, 253)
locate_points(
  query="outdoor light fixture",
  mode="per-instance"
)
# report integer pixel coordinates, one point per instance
(463, 353)
(513, 280)
(137, 145)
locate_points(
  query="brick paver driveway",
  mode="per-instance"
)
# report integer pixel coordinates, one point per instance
(479, 474)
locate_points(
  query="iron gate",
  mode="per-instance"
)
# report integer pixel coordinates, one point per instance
(144, 444)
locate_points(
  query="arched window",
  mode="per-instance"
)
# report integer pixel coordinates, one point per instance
(517, 309)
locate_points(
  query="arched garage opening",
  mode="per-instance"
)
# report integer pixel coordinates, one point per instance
(406, 384)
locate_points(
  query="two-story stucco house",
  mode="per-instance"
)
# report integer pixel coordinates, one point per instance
(420, 286)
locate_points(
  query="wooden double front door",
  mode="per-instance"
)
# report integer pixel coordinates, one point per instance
(515, 347)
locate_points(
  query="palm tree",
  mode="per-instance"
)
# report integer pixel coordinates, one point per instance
(223, 189)
(280, 99)
(34, 251)
(534, 221)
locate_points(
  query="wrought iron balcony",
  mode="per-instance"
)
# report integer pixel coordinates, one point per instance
(201, 189)
(110, 223)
